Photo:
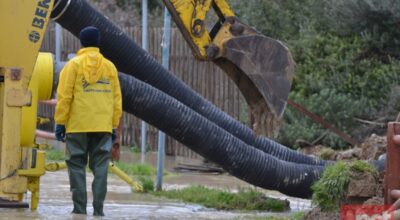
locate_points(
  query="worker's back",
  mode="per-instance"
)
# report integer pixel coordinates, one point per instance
(88, 111)
(95, 81)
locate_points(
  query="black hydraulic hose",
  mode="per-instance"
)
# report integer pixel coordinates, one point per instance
(74, 15)
(215, 143)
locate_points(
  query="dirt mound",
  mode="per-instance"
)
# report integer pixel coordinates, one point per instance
(327, 153)
(317, 213)
(362, 186)
(373, 147)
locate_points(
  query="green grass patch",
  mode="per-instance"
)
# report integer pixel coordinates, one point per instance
(141, 172)
(147, 183)
(329, 190)
(55, 155)
(137, 169)
(224, 200)
(362, 166)
(135, 149)
(327, 153)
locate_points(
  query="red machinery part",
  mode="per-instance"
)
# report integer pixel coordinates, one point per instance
(392, 175)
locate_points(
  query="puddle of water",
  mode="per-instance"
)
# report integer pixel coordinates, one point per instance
(121, 203)
(221, 181)
(55, 203)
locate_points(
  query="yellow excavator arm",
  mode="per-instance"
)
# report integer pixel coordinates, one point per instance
(190, 17)
(261, 67)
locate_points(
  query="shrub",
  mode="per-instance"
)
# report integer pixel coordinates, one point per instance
(328, 192)
(283, 20)
(377, 21)
(333, 83)
(336, 108)
(147, 183)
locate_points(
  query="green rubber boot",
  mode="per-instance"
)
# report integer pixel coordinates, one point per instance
(99, 159)
(76, 162)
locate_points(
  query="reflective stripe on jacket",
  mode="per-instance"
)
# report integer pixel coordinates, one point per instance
(89, 94)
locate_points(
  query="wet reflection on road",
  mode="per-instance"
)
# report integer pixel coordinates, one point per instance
(121, 203)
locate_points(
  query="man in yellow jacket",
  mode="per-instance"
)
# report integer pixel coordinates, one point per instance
(88, 110)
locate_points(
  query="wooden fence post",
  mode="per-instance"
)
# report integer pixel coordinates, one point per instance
(392, 175)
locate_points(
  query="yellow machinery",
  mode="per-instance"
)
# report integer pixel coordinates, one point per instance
(137, 187)
(261, 67)
(26, 77)
(21, 162)
(40, 86)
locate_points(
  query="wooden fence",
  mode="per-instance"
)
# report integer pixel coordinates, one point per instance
(204, 77)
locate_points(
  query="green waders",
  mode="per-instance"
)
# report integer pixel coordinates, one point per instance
(97, 146)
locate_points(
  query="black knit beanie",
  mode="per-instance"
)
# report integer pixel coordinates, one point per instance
(90, 37)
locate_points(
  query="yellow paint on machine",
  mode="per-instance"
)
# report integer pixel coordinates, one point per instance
(190, 16)
(41, 86)
(23, 25)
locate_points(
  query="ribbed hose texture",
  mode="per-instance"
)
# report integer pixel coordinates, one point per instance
(215, 143)
(133, 60)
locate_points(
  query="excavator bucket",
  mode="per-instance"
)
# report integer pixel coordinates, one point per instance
(260, 66)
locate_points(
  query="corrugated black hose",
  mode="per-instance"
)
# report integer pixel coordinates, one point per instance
(214, 143)
(74, 15)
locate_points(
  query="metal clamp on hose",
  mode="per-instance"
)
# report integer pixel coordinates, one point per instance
(55, 9)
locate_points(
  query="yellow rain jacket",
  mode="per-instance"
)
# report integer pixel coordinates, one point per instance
(89, 94)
